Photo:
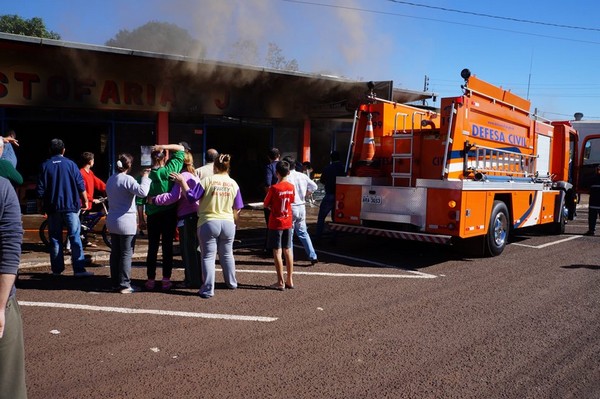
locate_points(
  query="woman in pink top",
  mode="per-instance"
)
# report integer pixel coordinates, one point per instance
(187, 220)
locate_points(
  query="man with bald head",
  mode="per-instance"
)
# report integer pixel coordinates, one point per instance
(207, 169)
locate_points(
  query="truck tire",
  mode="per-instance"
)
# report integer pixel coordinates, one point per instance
(497, 235)
(558, 228)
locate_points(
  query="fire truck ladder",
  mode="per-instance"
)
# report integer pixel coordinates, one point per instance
(401, 135)
(482, 160)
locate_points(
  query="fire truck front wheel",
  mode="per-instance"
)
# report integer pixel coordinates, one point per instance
(497, 235)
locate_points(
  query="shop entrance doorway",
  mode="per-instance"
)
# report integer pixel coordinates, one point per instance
(248, 147)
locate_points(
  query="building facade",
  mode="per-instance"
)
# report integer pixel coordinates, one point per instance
(108, 100)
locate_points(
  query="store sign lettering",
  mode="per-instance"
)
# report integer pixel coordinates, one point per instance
(30, 86)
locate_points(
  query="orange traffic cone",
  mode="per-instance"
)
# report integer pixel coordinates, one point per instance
(368, 149)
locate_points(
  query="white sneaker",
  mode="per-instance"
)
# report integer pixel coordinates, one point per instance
(83, 274)
(129, 290)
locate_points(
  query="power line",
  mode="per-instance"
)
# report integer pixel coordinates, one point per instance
(527, 21)
(439, 20)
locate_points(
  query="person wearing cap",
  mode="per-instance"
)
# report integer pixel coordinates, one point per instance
(186, 146)
(9, 153)
(162, 219)
(594, 203)
(7, 169)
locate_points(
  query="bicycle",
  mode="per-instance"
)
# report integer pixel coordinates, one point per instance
(89, 220)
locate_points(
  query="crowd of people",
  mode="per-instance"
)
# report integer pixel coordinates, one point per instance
(202, 205)
(172, 200)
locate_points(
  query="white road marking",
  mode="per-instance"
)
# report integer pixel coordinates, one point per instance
(327, 274)
(413, 273)
(418, 274)
(547, 244)
(148, 311)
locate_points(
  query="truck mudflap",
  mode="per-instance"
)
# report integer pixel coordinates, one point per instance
(403, 235)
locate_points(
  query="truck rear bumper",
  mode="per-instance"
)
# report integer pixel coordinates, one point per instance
(403, 235)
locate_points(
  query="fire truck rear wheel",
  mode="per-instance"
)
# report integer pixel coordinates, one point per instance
(497, 235)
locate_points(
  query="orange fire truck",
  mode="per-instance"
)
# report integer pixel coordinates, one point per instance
(467, 175)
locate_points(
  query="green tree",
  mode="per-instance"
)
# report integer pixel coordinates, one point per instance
(159, 37)
(27, 27)
(276, 60)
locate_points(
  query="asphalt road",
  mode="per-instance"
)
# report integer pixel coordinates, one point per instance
(374, 319)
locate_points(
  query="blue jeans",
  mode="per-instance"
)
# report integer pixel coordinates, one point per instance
(299, 217)
(216, 236)
(120, 260)
(56, 222)
(327, 205)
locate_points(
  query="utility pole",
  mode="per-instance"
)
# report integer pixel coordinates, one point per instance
(425, 87)
(529, 80)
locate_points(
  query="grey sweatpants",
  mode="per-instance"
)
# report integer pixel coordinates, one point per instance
(216, 236)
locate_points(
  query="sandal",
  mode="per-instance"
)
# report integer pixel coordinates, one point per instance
(277, 287)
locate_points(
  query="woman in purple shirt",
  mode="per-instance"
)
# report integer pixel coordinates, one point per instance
(187, 220)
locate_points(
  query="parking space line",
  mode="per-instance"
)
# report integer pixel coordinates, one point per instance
(547, 244)
(149, 311)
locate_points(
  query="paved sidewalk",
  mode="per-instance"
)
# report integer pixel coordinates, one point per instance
(250, 233)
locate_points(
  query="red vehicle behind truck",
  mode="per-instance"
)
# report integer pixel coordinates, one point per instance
(467, 175)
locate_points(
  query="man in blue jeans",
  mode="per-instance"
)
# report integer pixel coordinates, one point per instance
(328, 177)
(62, 190)
(303, 186)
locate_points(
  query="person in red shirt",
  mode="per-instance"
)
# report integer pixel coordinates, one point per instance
(279, 201)
(92, 183)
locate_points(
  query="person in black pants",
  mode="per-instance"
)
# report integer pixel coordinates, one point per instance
(162, 220)
(270, 179)
(594, 203)
(328, 178)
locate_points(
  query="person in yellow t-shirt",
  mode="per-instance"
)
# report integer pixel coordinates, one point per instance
(218, 213)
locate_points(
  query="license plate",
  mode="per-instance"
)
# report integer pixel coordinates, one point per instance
(372, 199)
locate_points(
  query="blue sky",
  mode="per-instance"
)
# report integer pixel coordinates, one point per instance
(548, 51)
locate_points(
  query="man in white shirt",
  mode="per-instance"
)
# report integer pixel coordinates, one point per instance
(303, 185)
(207, 169)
